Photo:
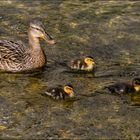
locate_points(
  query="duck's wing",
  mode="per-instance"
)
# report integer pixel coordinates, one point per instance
(11, 52)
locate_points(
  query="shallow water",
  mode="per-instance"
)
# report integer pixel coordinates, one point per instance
(108, 31)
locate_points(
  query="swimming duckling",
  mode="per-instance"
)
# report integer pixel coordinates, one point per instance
(84, 64)
(122, 88)
(15, 57)
(60, 93)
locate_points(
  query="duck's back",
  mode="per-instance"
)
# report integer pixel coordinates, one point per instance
(12, 56)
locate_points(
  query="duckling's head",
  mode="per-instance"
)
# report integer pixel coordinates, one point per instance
(37, 30)
(136, 84)
(89, 60)
(69, 90)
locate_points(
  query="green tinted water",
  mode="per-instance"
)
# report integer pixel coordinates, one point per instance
(107, 30)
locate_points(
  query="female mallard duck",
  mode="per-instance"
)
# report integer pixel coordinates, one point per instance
(15, 57)
(84, 64)
(60, 93)
(122, 88)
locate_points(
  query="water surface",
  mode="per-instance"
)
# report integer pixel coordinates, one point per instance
(107, 30)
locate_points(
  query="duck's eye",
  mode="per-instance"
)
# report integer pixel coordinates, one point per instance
(38, 29)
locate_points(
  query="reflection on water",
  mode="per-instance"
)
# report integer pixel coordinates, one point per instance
(108, 31)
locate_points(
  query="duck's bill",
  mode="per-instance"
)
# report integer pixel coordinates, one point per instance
(72, 94)
(48, 38)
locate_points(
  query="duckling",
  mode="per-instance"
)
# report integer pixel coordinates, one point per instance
(122, 88)
(84, 64)
(15, 57)
(60, 93)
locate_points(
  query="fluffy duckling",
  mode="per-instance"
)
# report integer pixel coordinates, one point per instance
(122, 88)
(60, 93)
(84, 64)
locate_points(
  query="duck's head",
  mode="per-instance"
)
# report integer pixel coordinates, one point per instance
(37, 30)
(89, 60)
(69, 90)
(136, 84)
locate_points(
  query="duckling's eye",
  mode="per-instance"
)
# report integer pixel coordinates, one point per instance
(70, 89)
(90, 60)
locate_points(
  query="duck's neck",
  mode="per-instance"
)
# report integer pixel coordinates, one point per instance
(36, 52)
(33, 42)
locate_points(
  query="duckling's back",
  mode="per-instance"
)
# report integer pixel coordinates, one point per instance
(121, 88)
